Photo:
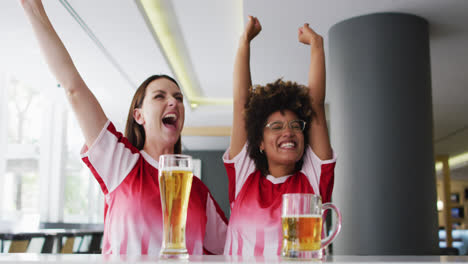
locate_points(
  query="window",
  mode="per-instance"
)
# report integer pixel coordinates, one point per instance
(84, 201)
(41, 172)
(20, 176)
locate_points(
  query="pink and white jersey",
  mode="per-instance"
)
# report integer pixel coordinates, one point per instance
(133, 218)
(255, 223)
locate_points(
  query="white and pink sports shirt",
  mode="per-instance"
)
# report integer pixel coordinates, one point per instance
(255, 224)
(132, 214)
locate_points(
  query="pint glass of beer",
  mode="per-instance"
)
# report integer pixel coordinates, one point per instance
(175, 182)
(302, 215)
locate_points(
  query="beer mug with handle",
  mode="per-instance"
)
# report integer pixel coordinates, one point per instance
(302, 215)
(175, 183)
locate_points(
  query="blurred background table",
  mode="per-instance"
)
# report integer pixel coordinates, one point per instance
(51, 241)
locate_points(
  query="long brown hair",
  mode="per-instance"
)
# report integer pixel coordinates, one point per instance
(134, 132)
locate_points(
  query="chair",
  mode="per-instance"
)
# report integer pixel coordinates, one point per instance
(78, 244)
(18, 246)
(86, 242)
(35, 245)
(67, 248)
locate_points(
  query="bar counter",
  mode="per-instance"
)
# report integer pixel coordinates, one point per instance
(93, 258)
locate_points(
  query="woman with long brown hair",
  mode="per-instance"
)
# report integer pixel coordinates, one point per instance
(126, 167)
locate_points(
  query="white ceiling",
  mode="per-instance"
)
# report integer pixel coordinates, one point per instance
(210, 30)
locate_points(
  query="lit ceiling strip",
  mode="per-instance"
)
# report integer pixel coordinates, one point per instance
(165, 31)
(454, 161)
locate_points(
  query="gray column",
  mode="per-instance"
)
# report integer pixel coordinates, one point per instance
(381, 129)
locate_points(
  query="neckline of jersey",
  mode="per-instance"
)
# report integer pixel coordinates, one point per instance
(277, 180)
(150, 159)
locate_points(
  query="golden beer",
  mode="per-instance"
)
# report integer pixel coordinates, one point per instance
(302, 226)
(301, 233)
(175, 186)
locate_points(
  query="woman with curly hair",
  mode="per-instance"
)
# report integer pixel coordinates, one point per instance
(279, 144)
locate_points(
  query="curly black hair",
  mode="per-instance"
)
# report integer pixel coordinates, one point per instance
(265, 100)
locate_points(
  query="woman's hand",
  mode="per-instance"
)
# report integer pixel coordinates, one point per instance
(308, 36)
(33, 7)
(252, 29)
(30, 3)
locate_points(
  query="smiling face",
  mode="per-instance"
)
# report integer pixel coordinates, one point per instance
(162, 113)
(284, 147)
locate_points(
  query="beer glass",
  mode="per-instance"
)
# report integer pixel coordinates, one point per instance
(302, 226)
(175, 183)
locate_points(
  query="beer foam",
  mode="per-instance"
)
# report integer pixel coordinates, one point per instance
(177, 169)
(302, 215)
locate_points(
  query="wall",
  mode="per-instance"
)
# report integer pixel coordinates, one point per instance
(214, 176)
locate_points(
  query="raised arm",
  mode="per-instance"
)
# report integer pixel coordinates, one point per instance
(318, 134)
(242, 84)
(89, 113)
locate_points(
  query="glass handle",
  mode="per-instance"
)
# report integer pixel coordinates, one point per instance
(336, 228)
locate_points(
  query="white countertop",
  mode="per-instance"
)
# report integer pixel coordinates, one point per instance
(82, 258)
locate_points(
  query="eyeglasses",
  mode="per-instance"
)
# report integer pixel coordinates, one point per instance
(295, 125)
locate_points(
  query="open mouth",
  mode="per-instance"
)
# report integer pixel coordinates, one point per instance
(287, 145)
(170, 120)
